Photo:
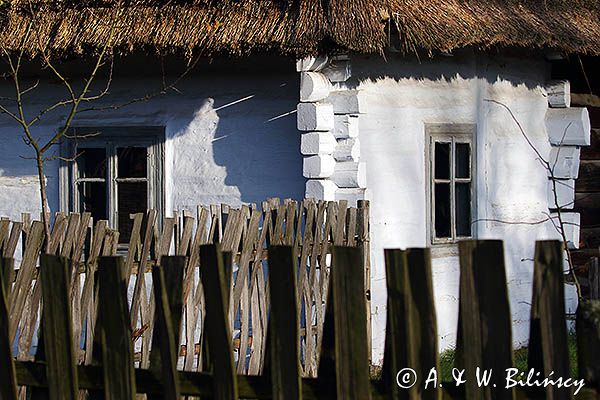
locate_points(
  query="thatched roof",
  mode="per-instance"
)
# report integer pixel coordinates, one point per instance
(298, 27)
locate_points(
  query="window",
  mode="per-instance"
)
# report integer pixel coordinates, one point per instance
(451, 182)
(113, 173)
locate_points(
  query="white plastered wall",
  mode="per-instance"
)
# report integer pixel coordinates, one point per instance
(230, 134)
(392, 100)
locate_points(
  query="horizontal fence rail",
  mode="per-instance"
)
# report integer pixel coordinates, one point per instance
(411, 335)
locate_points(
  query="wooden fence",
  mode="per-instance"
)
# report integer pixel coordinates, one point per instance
(484, 331)
(312, 228)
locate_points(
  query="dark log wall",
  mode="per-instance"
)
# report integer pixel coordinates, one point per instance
(587, 186)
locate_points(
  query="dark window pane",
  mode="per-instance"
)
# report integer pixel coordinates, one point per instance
(442, 210)
(132, 162)
(91, 162)
(463, 160)
(92, 197)
(463, 209)
(132, 199)
(442, 160)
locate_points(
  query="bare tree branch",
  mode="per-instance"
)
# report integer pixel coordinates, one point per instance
(560, 224)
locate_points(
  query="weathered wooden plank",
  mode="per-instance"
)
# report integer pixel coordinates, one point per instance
(548, 349)
(350, 325)
(249, 244)
(88, 305)
(339, 238)
(191, 383)
(115, 330)
(284, 324)
(364, 241)
(315, 275)
(57, 327)
(138, 303)
(8, 377)
(57, 234)
(134, 240)
(482, 263)
(411, 333)
(75, 279)
(217, 323)
(28, 321)
(172, 270)
(192, 309)
(23, 283)
(589, 176)
(4, 227)
(13, 239)
(290, 222)
(468, 342)
(69, 238)
(166, 330)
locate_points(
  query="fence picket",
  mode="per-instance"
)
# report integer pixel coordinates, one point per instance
(350, 327)
(4, 225)
(411, 332)
(217, 323)
(167, 293)
(284, 335)
(115, 330)
(11, 244)
(26, 270)
(484, 320)
(58, 327)
(548, 350)
(8, 378)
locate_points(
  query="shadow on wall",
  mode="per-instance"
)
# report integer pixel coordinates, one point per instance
(240, 145)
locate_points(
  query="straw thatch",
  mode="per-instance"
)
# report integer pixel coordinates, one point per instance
(298, 27)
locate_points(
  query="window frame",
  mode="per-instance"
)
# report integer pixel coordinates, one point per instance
(111, 138)
(449, 133)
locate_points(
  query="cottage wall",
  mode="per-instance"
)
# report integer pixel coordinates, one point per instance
(231, 137)
(398, 98)
(229, 134)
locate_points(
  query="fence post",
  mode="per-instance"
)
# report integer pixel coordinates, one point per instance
(484, 337)
(8, 378)
(284, 335)
(363, 233)
(167, 325)
(57, 326)
(548, 349)
(411, 333)
(350, 324)
(115, 330)
(216, 323)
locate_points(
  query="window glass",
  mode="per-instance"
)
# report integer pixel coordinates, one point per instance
(463, 160)
(463, 209)
(442, 160)
(132, 162)
(132, 199)
(91, 162)
(442, 210)
(92, 196)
